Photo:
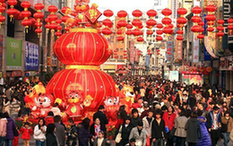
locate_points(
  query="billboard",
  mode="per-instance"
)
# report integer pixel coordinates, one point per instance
(31, 56)
(174, 76)
(13, 54)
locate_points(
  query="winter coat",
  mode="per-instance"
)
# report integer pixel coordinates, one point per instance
(10, 125)
(205, 137)
(51, 140)
(192, 127)
(210, 118)
(49, 120)
(83, 135)
(38, 134)
(104, 143)
(134, 121)
(26, 133)
(3, 126)
(60, 133)
(139, 138)
(169, 122)
(103, 119)
(227, 123)
(158, 130)
(180, 123)
(14, 107)
(147, 126)
(125, 132)
(6, 107)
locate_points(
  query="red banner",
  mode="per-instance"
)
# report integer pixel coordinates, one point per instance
(179, 50)
(93, 14)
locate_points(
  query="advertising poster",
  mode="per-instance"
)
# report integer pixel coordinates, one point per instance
(174, 76)
(195, 47)
(13, 54)
(170, 48)
(31, 56)
(192, 78)
(179, 50)
(147, 60)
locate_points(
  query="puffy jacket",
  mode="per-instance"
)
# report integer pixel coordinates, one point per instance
(38, 134)
(169, 121)
(10, 133)
(26, 133)
(3, 125)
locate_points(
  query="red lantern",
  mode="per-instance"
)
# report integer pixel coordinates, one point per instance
(11, 12)
(122, 14)
(38, 31)
(167, 30)
(166, 21)
(211, 8)
(38, 15)
(196, 10)
(140, 39)
(128, 32)
(159, 38)
(25, 5)
(39, 6)
(136, 32)
(159, 32)
(108, 13)
(159, 26)
(108, 23)
(122, 23)
(52, 9)
(2, 9)
(182, 11)
(220, 28)
(149, 32)
(196, 19)
(58, 34)
(137, 22)
(166, 12)
(181, 20)
(2, 19)
(210, 29)
(129, 26)
(210, 17)
(200, 36)
(151, 22)
(151, 13)
(137, 13)
(106, 31)
(119, 32)
(220, 21)
(220, 34)
(195, 28)
(179, 37)
(201, 23)
(180, 31)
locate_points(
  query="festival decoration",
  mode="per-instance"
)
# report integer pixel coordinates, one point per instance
(26, 14)
(112, 106)
(38, 16)
(52, 18)
(230, 26)
(181, 21)
(210, 17)
(167, 21)
(220, 28)
(159, 32)
(11, 12)
(195, 19)
(121, 24)
(151, 22)
(200, 36)
(2, 9)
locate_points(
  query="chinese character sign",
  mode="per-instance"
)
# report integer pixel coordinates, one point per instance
(31, 56)
(179, 50)
(93, 14)
(195, 47)
(170, 46)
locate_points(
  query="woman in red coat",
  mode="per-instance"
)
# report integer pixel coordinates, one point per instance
(169, 118)
(26, 131)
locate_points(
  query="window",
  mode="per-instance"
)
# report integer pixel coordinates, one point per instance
(121, 49)
(117, 49)
(121, 57)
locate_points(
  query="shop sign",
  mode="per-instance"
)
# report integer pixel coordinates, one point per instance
(31, 56)
(226, 63)
(16, 73)
(13, 54)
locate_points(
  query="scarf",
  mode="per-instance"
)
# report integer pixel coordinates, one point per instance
(97, 130)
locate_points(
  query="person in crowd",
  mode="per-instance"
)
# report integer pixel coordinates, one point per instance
(139, 133)
(226, 126)
(180, 131)
(3, 129)
(101, 140)
(83, 133)
(14, 108)
(51, 138)
(193, 130)
(158, 130)
(102, 117)
(213, 121)
(49, 119)
(231, 139)
(6, 105)
(56, 111)
(204, 139)
(96, 127)
(26, 131)
(125, 130)
(122, 114)
(60, 130)
(72, 133)
(147, 123)
(135, 118)
(39, 133)
(11, 127)
(131, 142)
(169, 118)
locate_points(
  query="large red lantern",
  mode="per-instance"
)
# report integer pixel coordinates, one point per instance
(12, 10)
(166, 12)
(122, 14)
(182, 11)
(151, 13)
(137, 13)
(108, 13)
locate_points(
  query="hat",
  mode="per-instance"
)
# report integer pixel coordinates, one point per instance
(140, 123)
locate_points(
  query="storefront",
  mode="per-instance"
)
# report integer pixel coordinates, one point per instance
(226, 73)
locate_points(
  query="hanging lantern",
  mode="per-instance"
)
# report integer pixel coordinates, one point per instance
(52, 18)
(140, 39)
(159, 38)
(182, 12)
(220, 28)
(196, 19)
(2, 19)
(12, 10)
(151, 13)
(230, 25)
(122, 14)
(166, 21)
(137, 13)
(210, 17)
(179, 37)
(106, 31)
(26, 14)
(200, 36)
(38, 16)
(159, 32)
(107, 23)
(108, 13)
(58, 28)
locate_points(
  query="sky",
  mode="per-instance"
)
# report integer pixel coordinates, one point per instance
(127, 5)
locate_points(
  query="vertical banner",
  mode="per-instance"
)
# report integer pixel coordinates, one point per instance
(147, 60)
(31, 56)
(132, 53)
(206, 54)
(136, 55)
(170, 46)
(1, 51)
(13, 54)
(195, 47)
(179, 50)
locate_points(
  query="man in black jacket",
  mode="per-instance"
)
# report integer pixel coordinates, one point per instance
(72, 133)
(101, 115)
(60, 130)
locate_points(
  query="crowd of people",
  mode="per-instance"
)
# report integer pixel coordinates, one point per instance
(163, 113)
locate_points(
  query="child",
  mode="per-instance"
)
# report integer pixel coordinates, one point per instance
(131, 142)
(101, 141)
(16, 139)
(72, 133)
(26, 131)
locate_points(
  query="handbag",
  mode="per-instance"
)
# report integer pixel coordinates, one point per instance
(118, 137)
(15, 131)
